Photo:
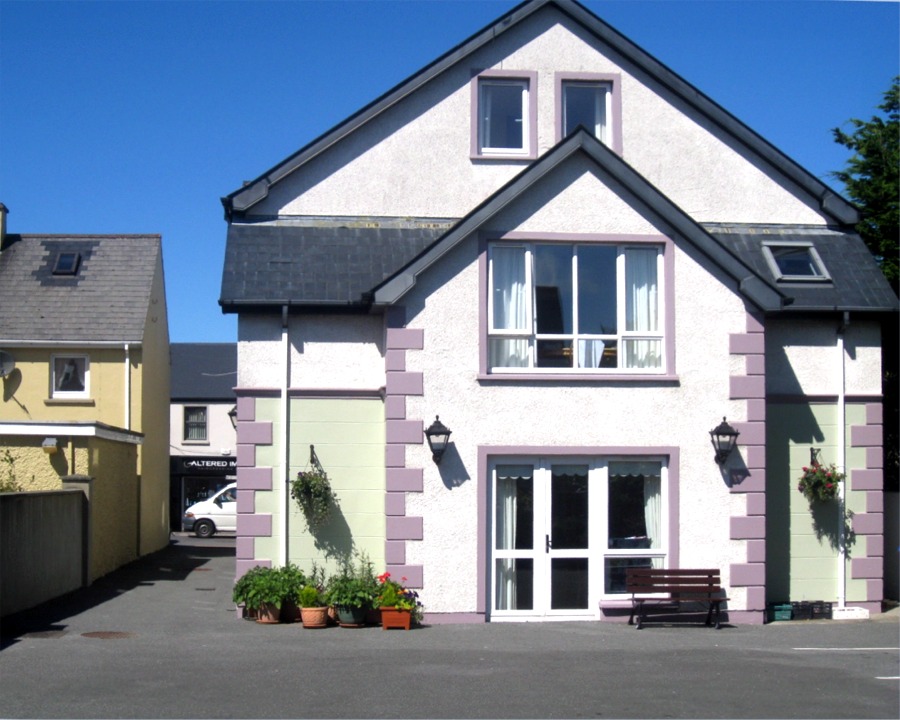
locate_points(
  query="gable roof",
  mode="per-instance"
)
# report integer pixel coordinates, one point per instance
(203, 371)
(106, 301)
(857, 282)
(327, 263)
(755, 287)
(829, 201)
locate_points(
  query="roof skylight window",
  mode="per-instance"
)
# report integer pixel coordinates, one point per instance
(795, 262)
(67, 263)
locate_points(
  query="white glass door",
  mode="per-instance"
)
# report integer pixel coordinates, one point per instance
(541, 540)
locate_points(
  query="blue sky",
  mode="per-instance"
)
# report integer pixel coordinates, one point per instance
(136, 117)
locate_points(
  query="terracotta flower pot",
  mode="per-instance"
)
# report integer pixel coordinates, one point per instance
(314, 617)
(392, 617)
(268, 613)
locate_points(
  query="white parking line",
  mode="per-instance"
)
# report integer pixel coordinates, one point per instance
(851, 649)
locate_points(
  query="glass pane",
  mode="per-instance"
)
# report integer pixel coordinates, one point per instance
(569, 584)
(569, 507)
(515, 507)
(597, 354)
(585, 104)
(614, 572)
(502, 120)
(597, 290)
(515, 584)
(69, 374)
(510, 301)
(635, 505)
(641, 301)
(508, 352)
(796, 261)
(553, 289)
(643, 353)
(554, 353)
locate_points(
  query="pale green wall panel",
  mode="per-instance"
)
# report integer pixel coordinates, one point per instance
(801, 539)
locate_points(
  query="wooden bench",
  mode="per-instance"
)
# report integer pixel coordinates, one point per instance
(647, 585)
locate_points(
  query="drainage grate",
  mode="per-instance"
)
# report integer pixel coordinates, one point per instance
(205, 589)
(107, 635)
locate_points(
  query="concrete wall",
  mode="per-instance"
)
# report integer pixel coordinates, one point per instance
(42, 547)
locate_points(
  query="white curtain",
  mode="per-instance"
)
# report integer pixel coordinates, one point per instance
(652, 507)
(508, 481)
(590, 352)
(510, 306)
(641, 306)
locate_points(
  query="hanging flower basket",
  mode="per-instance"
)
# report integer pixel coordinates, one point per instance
(820, 482)
(313, 494)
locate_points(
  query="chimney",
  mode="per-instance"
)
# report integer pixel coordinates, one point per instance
(3, 213)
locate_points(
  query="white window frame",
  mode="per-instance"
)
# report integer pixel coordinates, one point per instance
(597, 552)
(815, 260)
(184, 425)
(58, 370)
(622, 335)
(605, 91)
(525, 80)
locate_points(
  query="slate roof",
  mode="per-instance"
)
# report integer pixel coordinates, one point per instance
(332, 263)
(203, 371)
(243, 199)
(857, 283)
(106, 301)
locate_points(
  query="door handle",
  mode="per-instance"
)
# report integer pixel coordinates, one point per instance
(548, 543)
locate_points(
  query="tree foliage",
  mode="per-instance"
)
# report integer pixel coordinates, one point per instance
(872, 179)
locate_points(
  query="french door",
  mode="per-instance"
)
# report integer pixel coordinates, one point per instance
(564, 530)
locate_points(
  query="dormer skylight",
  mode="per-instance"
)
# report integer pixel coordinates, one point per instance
(795, 262)
(67, 263)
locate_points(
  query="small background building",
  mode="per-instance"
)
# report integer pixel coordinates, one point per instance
(202, 441)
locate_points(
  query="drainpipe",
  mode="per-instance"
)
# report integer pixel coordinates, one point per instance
(285, 434)
(127, 387)
(841, 461)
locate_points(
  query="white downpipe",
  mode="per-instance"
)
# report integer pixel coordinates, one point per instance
(841, 462)
(285, 435)
(127, 387)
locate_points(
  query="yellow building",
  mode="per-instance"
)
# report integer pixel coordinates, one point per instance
(84, 360)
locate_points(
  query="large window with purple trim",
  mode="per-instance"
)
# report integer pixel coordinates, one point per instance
(587, 308)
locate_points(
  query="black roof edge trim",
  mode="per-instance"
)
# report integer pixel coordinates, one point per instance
(830, 202)
(757, 289)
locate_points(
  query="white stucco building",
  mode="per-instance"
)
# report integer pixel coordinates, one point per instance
(581, 264)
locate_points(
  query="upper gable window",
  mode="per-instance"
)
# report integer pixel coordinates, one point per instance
(593, 101)
(67, 263)
(796, 261)
(589, 308)
(586, 104)
(70, 376)
(504, 116)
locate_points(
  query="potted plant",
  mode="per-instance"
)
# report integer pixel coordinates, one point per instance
(352, 591)
(265, 592)
(313, 610)
(241, 591)
(400, 606)
(819, 482)
(312, 491)
(293, 581)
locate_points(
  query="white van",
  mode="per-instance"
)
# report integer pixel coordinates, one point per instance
(208, 517)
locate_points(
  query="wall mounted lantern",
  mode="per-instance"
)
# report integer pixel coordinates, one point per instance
(438, 436)
(232, 415)
(50, 445)
(724, 439)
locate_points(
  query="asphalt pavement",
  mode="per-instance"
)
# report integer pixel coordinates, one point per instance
(160, 639)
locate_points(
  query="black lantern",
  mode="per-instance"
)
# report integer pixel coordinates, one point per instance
(438, 436)
(724, 438)
(232, 415)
